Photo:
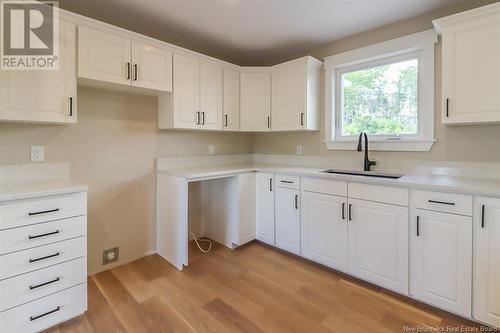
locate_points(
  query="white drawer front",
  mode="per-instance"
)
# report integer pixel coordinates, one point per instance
(24, 212)
(319, 185)
(27, 287)
(288, 181)
(16, 239)
(19, 262)
(385, 194)
(45, 312)
(443, 202)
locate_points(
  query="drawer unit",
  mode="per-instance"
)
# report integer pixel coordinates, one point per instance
(25, 212)
(39, 257)
(391, 195)
(288, 181)
(27, 287)
(45, 312)
(443, 202)
(17, 239)
(324, 186)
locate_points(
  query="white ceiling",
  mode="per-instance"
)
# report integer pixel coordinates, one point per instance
(252, 31)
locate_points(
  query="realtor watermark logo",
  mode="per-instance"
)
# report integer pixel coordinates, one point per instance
(29, 35)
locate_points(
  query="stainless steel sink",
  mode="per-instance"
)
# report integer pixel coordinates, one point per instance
(363, 173)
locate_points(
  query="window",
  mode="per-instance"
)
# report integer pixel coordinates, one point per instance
(385, 90)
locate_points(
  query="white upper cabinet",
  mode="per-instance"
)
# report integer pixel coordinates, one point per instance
(486, 261)
(114, 58)
(378, 243)
(471, 65)
(47, 96)
(265, 189)
(255, 103)
(441, 260)
(186, 94)
(211, 96)
(324, 229)
(295, 95)
(152, 66)
(231, 99)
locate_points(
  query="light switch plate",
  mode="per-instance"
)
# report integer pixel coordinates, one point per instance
(37, 153)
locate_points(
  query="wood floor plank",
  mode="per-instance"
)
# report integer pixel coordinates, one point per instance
(253, 288)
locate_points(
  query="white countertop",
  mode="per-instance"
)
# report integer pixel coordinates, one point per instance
(30, 189)
(466, 185)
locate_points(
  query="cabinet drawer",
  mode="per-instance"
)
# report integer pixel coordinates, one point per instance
(45, 312)
(319, 185)
(25, 212)
(385, 194)
(27, 287)
(288, 181)
(19, 262)
(443, 202)
(17, 239)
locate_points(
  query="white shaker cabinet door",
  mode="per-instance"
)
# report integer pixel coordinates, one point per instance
(186, 92)
(231, 99)
(265, 207)
(211, 96)
(152, 67)
(255, 101)
(288, 219)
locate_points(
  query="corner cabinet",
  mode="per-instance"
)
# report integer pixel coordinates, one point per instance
(47, 96)
(471, 65)
(295, 95)
(486, 300)
(196, 100)
(255, 100)
(114, 58)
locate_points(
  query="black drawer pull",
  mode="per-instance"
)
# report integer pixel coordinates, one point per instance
(43, 235)
(46, 257)
(45, 283)
(44, 212)
(442, 202)
(45, 314)
(418, 226)
(270, 184)
(482, 216)
(343, 211)
(296, 201)
(286, 181)
(350, 212)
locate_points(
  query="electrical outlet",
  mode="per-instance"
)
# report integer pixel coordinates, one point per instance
(111, 255)
(37, 153)
(211, 149)
(299, 150)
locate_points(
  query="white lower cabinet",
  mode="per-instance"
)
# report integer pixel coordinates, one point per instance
(288, 219)
(378, 243)
(246, 230)
(265, 207)
(324, 229)
(441, 260)
(486, 261)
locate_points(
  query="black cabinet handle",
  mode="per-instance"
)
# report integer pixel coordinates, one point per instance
(343, 211)
(128, 70)
(225, 120)
(447, 107)
(197, 118)
(296, 201)
(270, 184)
(45, 283)
(442, 202)
(302, 119)
(203, 118)
(44, 212)
(268, 122)
(350, 212)
(482, 216)
(45, 314)
(44, 235)
(418, 226)
(71, 106)
(286, 181)
(135, 72)
(46, 257)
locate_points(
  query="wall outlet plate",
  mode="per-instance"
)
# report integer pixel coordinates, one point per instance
(211, 149)
(299, 150)
(37, 153)
(110, 255)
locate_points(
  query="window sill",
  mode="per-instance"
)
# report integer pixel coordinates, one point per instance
(421, 145)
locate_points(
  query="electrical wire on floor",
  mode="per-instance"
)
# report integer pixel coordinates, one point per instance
(202, 240)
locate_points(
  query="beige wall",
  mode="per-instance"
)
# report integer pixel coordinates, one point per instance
(112, 149)
(475, 143)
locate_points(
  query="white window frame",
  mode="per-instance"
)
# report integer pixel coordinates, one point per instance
(416, 46)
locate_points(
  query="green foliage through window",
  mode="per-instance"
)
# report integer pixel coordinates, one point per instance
(381, 100)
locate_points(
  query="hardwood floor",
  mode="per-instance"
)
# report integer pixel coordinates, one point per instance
(251, 289)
